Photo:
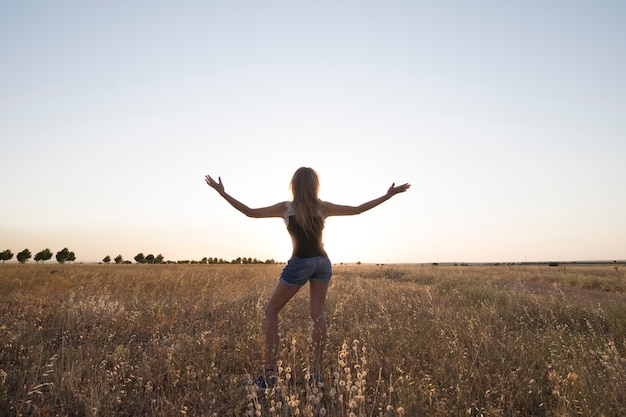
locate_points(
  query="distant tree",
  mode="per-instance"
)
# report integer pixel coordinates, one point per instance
(149, 259)
(118, 259)
(43, 256)
(158, 259)
(140, 259)
(23, 256)
(62, 255)
(7, 255)
(71, 257)
(106, 259)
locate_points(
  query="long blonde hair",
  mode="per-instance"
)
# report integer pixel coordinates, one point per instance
(307, 207)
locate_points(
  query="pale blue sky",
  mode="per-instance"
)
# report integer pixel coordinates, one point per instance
(506, 117)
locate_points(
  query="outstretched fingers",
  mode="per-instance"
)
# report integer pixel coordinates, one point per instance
(215, 184)
(399, 189)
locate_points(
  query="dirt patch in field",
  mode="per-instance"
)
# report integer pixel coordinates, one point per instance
(569, 293)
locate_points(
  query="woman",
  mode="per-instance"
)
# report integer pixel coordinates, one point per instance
(304, 217)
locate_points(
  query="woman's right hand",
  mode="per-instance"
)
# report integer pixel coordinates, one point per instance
(393, 190)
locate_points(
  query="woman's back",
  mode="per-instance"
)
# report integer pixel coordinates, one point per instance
(306, 243)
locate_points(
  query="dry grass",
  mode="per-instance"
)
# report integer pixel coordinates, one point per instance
(165, 340)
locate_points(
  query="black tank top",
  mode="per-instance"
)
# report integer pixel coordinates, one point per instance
(305, 245)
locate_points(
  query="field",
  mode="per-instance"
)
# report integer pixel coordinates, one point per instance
(172, 340)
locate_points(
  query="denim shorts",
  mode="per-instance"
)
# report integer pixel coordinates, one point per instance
(300, 270)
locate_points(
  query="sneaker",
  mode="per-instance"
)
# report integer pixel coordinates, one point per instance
(265, 382)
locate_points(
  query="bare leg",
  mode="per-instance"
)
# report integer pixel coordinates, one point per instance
(318, 298)
(282, 294)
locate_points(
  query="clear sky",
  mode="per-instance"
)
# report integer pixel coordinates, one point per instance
(508, 119)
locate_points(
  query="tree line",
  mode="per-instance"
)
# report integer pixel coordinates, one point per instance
(62, 256)
(65, 255)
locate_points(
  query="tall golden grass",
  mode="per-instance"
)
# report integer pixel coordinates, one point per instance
(171, 340)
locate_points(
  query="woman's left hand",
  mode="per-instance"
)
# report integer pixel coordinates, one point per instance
(218, 186)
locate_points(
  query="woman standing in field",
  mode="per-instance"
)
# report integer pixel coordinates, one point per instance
(309, 262)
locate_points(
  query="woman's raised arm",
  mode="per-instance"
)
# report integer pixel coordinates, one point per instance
(277, 210)
(340, 210)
